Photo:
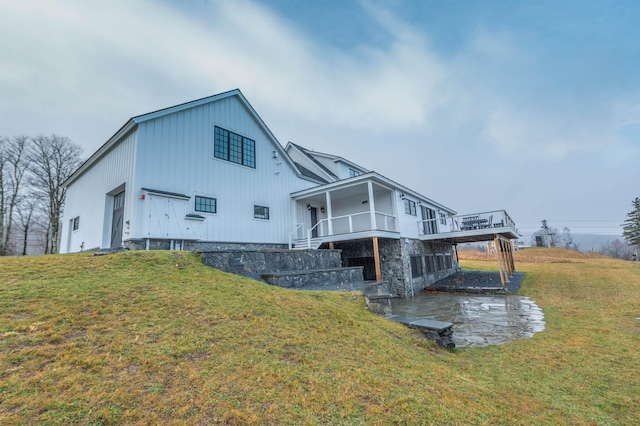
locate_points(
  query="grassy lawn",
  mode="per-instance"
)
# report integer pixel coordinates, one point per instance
(157, 337)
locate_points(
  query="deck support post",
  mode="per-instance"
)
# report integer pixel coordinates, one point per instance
(455, 248)
(505, 259)
(331, 245)
(376, 259)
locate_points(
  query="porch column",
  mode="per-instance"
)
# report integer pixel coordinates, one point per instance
(376, 259)
(372, 207)
(329, 213)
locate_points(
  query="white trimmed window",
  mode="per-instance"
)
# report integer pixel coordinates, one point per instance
(261, 212)
(233, 147)
(410, 207)
(206, 204)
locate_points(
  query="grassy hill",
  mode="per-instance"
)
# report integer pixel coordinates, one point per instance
(156, 337)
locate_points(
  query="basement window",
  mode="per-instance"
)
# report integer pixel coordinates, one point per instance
(430, 262)
(261, 212)
(416, 266)
(233, 147)
(448, 261)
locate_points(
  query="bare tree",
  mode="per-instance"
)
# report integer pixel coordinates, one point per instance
(26, 209)
(14, 168)
(616, 249)
(3, 161)
(52, 160)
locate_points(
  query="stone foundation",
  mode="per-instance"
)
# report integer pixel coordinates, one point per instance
(198, 246)
(254, 264)
(395, 262)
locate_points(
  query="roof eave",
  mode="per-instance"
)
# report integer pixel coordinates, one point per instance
(376, 177)
(106, 147)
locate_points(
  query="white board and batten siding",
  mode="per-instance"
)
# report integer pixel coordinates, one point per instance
(176, 154)
(90, 198)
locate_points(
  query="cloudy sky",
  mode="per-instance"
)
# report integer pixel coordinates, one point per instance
(528, 106)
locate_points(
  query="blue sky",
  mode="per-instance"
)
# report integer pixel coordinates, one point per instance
(528, 106)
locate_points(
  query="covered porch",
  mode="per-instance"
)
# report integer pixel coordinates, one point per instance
(357, 208)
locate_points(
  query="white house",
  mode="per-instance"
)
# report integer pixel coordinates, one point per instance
(209, 174)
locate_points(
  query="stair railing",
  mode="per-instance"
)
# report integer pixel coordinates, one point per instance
(295, 231)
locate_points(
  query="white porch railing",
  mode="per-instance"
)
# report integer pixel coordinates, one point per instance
(492, 220)
(346, 224)
(292, 234)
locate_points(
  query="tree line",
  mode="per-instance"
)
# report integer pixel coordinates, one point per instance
(629, 249)
(32, 195)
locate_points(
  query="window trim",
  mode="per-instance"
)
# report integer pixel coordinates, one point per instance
(410, 207)
(222, 149)
(417, 267)
(215, 204)
(261, 217)
(443, 218)
(430, 264)
(75, 223)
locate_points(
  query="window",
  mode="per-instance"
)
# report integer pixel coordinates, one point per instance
(261, 212)
(429, 261)
(76, 223)
(440, 260)
(448, 261)
(443, 218)
(410, 207)
(234, 147)
(429, 225)
(206, 205)
(416, 266)
(353, 173)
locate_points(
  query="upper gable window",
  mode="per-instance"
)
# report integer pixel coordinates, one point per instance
(234, 147)
(353, 173)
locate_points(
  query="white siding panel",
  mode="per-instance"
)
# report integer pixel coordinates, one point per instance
(408, 223)
(176, 154)
(87, 198)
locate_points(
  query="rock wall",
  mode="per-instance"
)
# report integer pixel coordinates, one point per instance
(255, 263)
(395, 262)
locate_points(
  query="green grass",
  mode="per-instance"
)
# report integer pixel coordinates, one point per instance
(157, 337)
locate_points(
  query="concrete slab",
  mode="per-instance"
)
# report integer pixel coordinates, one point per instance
(432, 324)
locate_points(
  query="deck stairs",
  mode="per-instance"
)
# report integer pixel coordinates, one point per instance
(306, 244)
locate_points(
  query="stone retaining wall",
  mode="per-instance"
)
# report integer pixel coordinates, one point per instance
(255, 263)
(315, 278)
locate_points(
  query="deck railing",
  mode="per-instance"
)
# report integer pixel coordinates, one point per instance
(346, 224)
(492, 220)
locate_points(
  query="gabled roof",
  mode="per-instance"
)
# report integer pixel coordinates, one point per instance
(313, 160)
(309, 173)
(133, 122)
